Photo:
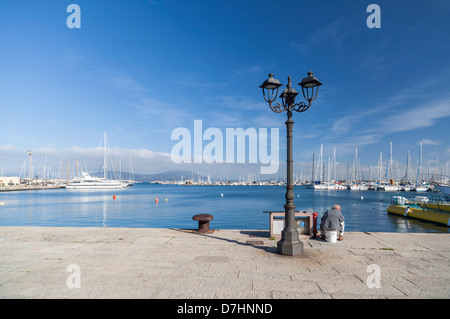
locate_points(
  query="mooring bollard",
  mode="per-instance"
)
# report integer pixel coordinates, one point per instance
(203, 222)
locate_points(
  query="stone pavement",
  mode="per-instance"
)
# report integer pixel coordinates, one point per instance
(44, 262)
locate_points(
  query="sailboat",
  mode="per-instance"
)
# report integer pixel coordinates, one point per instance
(405, 185)
(420, 187)
(87, 181)
(357, 186)
(320, 185)
(310, 185)
(390, 186)
(130, 181)
(329, 185)
(333, 185)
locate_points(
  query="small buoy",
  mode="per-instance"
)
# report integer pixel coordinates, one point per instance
(362, 198)
(221, 195)
(298, 195)
(156, 200)
(2, 203)
(166, 199)
(114, 197)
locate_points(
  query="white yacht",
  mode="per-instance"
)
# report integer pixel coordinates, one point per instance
(329, 186)
(359, 187)
(420, 188)
(336, 187)
(320, 186)
(89, 182)
(388, 187)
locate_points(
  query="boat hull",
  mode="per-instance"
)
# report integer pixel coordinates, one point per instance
(95, 187)
(421, 214)
(89, 182)
(359, 187)
(388, 188)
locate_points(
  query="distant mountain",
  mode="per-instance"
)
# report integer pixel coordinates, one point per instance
(166, 176)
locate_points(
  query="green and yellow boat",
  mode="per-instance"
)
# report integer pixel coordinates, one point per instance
(423, 208)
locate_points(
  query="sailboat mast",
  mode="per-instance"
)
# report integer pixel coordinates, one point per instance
(329, 169)
(131, 169)
(68, 169)
(407, 165)
(104, 156)
(380, 167)
(418, 164)
(390, 160)
(386, 176)
(321, 162)
(334, 160)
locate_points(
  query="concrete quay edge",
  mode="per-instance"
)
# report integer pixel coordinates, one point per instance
(162, 263)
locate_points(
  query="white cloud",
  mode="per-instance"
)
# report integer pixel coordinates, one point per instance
(402, 112)
(414, 118)
(426, 141)
(7, 148)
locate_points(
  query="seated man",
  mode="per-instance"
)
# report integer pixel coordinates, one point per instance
(332, 220)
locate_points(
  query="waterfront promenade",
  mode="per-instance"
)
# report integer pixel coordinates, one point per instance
(176, 263)
(25, 187)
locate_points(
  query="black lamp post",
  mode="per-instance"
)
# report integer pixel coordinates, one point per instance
(290, 243)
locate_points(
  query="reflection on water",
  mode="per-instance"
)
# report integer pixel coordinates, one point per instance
(240, 207)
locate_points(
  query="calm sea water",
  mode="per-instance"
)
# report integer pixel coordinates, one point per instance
(240, 207)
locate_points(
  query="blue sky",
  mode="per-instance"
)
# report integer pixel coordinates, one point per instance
(137, 70)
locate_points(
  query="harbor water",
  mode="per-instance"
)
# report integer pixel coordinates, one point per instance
(233, 207)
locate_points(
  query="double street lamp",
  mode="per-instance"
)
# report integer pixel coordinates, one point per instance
(290, 243)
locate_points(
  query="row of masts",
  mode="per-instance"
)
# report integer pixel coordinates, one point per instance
(68, 171)
(323, 172)
(109, 169)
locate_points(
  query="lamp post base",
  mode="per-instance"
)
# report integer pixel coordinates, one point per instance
(290, 249)
(290, 246)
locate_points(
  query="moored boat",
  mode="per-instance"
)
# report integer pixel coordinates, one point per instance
(359, 187)
(420, 188)
(422, 208)
(420, 213)
(89, 182)
(388, 187)
(320, 186)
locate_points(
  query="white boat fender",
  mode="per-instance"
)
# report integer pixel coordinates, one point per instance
(407, 208)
